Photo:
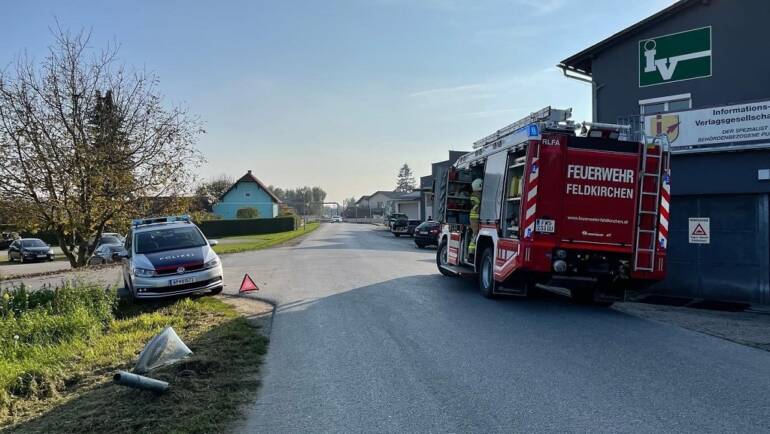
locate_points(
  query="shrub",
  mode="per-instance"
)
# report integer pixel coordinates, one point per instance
(39, 330)
(247, 213)
(51, 316)
(229, 228)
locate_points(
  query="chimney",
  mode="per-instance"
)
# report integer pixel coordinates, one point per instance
(249, 171)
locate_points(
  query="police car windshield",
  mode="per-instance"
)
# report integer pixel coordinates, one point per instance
(168, 239)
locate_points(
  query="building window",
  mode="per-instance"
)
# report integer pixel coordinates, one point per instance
(653, 109)
(654, 106)
(675, 106)
(673, 103)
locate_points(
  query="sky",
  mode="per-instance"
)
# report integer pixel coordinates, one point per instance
(340, 93)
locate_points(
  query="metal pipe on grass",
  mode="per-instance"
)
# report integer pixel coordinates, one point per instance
(140, 382)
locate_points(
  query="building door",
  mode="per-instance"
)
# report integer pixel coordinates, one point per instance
(734, 266)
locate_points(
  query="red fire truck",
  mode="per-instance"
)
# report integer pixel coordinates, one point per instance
(572, 208)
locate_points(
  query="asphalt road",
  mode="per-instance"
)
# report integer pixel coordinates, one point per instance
(9, 269)
(368, 337)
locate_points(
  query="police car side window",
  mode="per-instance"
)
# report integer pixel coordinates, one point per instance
(127, 245)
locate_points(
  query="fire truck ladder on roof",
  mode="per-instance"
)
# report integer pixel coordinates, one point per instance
(547, 115)
(650, 175)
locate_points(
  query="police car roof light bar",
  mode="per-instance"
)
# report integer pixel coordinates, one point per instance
(156, 220)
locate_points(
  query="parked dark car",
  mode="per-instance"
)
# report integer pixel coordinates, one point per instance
(426, 234)
(403, 226)
(29, 250)
(6, 238)
(106, 253)
(110, 239)
(395, 217)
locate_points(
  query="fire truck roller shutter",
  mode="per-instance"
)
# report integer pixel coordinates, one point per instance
(492, 193)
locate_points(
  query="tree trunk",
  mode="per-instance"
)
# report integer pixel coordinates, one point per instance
(65, 248)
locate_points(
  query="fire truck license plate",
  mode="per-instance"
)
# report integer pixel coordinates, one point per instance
(545, 226)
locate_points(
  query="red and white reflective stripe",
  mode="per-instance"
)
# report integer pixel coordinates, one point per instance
(531, 204)
(665, 199)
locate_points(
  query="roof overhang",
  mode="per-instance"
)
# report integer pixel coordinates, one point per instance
(248, 177)
(579, 66)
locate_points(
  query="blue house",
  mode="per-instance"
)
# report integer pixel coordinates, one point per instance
(247, 192)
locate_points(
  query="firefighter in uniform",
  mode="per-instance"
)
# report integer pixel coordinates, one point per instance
(474, 214)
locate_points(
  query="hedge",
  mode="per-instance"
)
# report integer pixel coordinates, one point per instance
(228, 228)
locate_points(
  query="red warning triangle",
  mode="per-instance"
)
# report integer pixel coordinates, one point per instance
(699, 230)
(248, 284)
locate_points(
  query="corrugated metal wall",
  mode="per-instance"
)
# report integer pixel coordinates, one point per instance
(735, 265)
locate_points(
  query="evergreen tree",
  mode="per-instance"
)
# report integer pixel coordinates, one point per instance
(405, 182)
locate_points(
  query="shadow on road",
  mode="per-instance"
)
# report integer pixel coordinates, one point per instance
(382, 348)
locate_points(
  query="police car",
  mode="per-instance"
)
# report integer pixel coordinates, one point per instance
(169, 256)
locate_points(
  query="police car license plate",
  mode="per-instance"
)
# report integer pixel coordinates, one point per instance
(182, 281)
(546, 226)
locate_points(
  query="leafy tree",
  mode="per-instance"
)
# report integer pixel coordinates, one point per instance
(405, 182)
(306, 200)
(247, 213)
(88, 143)
(210, 192)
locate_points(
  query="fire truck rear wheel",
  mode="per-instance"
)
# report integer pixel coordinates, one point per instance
(441, 258)
(486, 274)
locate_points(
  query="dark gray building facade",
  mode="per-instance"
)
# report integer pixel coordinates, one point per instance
(698, 72)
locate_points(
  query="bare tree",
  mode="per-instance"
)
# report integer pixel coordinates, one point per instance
(84, 140)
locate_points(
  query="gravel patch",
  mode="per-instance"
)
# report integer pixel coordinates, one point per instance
(746, 328)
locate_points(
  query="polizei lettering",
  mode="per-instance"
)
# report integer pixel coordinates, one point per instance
(604, 174)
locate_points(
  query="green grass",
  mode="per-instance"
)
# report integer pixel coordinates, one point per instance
(257, 242)
(60, 348)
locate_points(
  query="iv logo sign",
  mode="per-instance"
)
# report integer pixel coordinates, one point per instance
(675, 57)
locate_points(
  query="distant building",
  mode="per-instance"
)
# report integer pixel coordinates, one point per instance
(247, 192)
(406, 203)
(376, 204)
(427, 184)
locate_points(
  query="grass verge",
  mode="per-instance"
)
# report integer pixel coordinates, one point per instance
(5, 262)
(257, 242)
(61, 347)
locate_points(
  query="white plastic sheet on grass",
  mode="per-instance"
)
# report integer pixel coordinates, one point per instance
(164, 349)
